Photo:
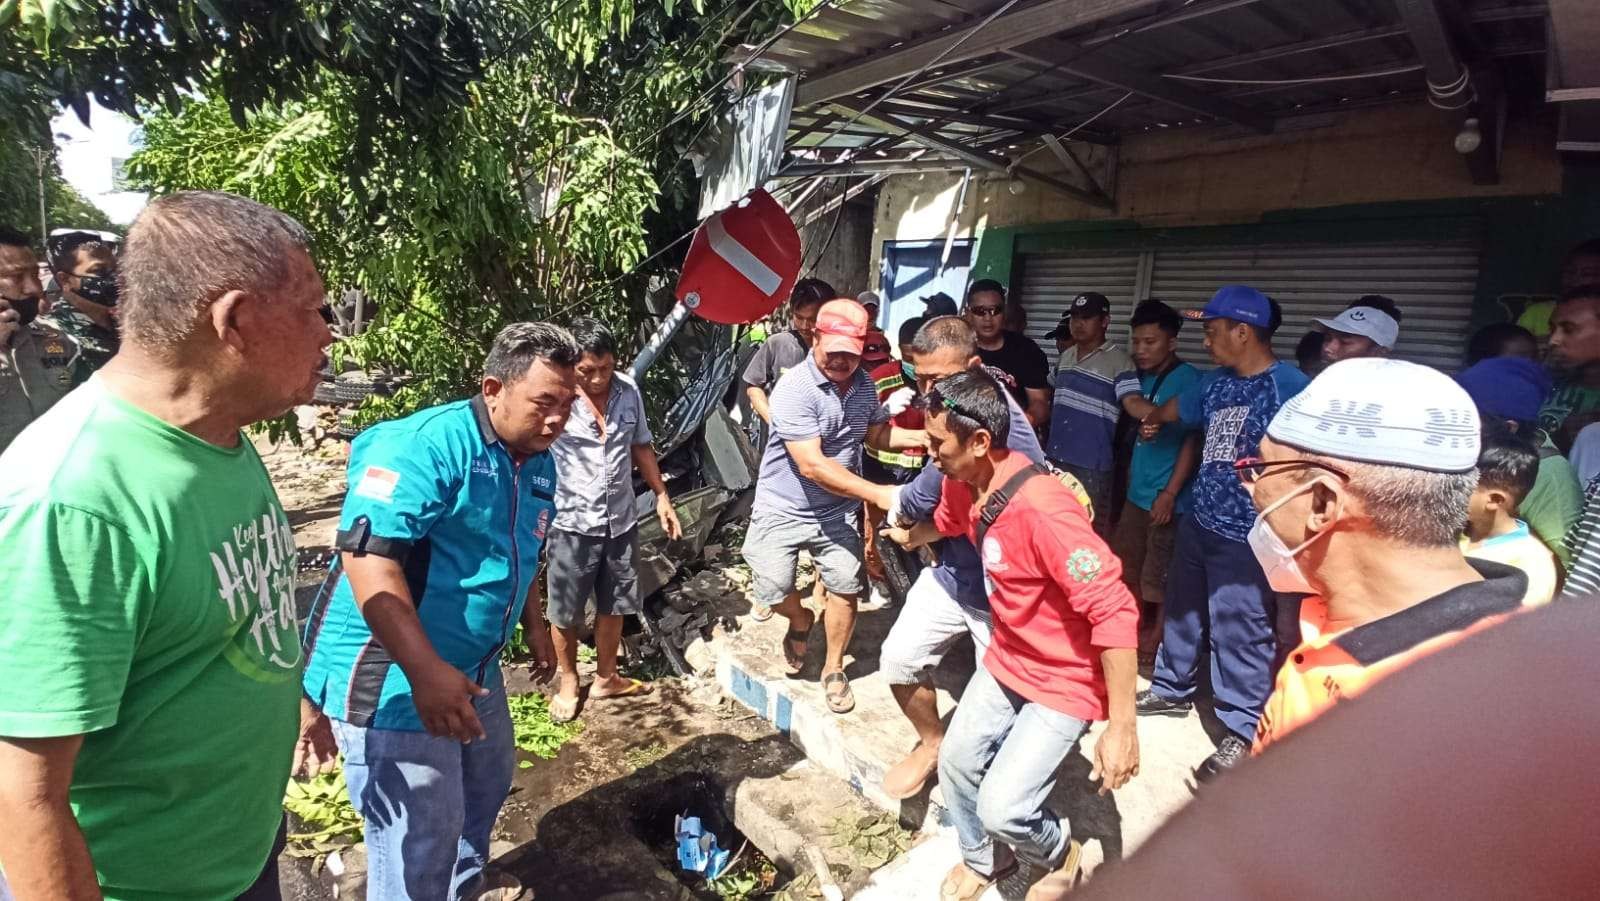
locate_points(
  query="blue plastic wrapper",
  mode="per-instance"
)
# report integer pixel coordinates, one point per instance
(697, 848)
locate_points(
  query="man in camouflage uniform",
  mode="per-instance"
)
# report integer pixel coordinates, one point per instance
(86, 271)
(39, 364)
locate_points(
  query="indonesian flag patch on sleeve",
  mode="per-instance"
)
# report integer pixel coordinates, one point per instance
(378, 484)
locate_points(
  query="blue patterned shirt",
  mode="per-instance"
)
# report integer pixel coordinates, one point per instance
(1234, 413)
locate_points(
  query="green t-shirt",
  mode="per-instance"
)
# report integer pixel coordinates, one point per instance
(149, 605)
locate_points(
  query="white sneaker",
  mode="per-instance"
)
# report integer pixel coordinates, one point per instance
(877, 598)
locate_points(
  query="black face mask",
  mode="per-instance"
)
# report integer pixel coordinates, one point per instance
(100, 289)
(26, 307)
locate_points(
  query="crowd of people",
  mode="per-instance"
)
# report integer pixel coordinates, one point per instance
(1304, 530)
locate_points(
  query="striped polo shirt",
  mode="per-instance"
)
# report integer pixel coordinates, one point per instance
(1088, 396)
(806, 405)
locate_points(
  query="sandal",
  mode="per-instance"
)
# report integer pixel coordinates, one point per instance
(635, 689)
(563, 709)
(963, 883)
(836, 690)
(795, 658)
(760, 612)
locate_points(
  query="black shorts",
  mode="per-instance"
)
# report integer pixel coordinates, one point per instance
(579, 566)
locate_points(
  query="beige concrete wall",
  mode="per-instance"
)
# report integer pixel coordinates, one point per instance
(1211, 176)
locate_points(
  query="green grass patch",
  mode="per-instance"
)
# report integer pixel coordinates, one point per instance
(534, 731)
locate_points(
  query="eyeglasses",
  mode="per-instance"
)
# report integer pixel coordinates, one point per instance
(1253, 469)
(985, 311)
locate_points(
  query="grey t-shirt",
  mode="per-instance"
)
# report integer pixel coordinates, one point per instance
(806, 405)
(776, 355)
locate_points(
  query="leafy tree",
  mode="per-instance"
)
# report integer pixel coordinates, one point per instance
(560, 168)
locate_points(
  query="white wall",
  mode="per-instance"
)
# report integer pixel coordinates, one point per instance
(87, 153)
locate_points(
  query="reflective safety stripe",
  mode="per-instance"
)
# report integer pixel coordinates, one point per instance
(896, 458)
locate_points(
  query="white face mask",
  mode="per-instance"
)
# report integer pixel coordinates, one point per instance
(1276, 559)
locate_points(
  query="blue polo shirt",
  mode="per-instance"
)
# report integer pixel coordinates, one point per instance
(1154, 460)
(805, 404)
(1234, 412)
(439, 492)
(959, 571)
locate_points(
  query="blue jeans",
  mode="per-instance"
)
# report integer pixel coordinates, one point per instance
(1218, 599)
(428, 804)
(996, 767)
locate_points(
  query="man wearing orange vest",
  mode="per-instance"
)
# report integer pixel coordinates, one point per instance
(1363, 483)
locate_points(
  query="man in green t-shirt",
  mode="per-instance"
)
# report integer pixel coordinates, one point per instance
(149, 656)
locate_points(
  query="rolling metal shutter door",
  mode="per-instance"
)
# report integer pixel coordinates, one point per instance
(1049, 281)
(1432, 283)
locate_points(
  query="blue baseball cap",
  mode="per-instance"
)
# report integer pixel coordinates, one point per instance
(1241, 303)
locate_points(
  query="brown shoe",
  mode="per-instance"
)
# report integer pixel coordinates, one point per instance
(906, 778)
(1059, 882)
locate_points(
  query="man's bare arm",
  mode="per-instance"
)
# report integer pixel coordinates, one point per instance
(1038, 406)
(885, 436)
(818, 467)
(758, 402)
(41, 847)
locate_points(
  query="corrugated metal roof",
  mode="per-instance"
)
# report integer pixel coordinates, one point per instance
(999, 98)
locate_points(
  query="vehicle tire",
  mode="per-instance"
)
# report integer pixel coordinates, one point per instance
(327, 393)
(353, 387)
(900, 568)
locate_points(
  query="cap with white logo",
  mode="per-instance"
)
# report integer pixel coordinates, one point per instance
(1389, 412)
(1368, 322)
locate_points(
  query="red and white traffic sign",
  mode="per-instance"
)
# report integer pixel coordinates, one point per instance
(742, 263)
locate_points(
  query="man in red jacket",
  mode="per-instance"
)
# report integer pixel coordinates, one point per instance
(1062, 654)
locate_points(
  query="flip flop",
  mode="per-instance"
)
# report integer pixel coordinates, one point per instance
(635, 689)
(836, 690)
(795, 660)
(760, 612)
(563, 709)
(963, 883)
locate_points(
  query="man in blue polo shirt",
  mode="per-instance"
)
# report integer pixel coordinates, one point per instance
(440, 537)
(1217, 596)
(1092, 379)
(1158, 476)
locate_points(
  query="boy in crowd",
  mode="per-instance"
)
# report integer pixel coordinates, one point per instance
(1511, 390)
(1014, 354)
(1061, 655)
(787, 349)
(1158, 476)
(593, 546)
(1369, 327)
(1218, 598)
(1507, 466)
(1092, 378)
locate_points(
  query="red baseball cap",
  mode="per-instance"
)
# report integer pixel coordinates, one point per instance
(842, 327)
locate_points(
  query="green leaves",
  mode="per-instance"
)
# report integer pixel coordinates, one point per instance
(535, 732)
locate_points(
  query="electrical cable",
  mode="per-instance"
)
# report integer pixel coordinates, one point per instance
(1074, 129)
(1319, 79)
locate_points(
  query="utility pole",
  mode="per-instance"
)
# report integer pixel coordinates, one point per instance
(40, 156)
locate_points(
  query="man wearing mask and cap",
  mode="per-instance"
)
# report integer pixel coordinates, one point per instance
(1363, 492)
(1367, 328)
(869, 302)
(1091, 379)
(86, 270)
(38, 363)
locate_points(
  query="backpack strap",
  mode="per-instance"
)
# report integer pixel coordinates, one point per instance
(996, 504)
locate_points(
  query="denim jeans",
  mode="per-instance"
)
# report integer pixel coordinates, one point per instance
(1218, 601)
(428, 804)
(996, 767)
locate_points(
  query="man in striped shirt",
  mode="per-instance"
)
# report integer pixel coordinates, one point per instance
(1583, 548)
(1092, 378)
(810, 490)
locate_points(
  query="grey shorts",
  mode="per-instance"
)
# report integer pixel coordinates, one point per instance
(582, 565)
(772, 547)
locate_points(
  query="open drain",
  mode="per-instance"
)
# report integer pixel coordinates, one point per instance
(748, 873)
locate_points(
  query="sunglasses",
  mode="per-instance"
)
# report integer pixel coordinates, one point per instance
(1253, 469)
(985, 311)
(936, 400)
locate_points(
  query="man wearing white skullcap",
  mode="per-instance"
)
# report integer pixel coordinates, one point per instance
(1362, 487)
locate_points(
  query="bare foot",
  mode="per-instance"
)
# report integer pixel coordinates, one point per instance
(907, 778)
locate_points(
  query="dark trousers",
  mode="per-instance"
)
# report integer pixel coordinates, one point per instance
(1218, 600)
(266, 887)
